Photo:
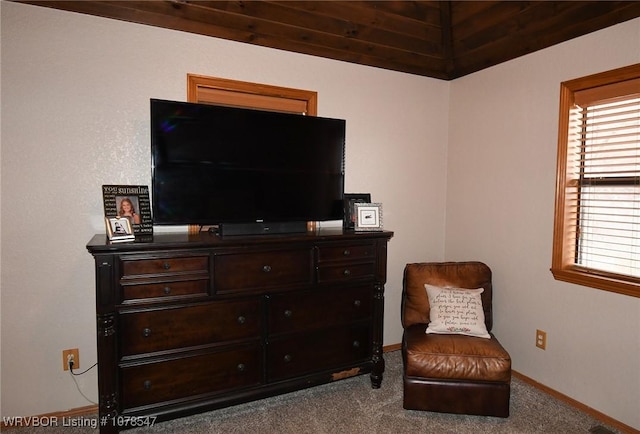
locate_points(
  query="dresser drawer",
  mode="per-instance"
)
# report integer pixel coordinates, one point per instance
(317, 351)
(165, 290)
(347, 252)
(301, 311)
(195, 375)
(146, 331)
(345, 272)
(133, 267)
(247, 271)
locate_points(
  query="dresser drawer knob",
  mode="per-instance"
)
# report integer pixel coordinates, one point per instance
(242, 319)
(241, 367)
(357, 303)
(166, 265)
(287, 358)
(347, 272)
(346, 252)
(356, 344)
(167, 290)
(146, 385)
(146, 332)
(288, 313)
(266, 268)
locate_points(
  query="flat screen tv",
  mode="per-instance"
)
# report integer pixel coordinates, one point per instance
(244, 170)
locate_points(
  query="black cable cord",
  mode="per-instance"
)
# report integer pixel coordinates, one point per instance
(81, 373)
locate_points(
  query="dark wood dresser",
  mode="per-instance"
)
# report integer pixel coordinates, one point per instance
(188, 323)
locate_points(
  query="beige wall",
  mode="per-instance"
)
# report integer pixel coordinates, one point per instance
(75, 115)
(500, 204)
(75, 93)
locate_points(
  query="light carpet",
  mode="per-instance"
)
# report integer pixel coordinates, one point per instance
(351, 406)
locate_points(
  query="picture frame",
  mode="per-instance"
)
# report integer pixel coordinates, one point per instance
(349, 201)
(132, 203)
(119, 229)
(368, 217)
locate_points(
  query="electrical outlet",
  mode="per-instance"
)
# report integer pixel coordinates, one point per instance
(541, 339)
(68, 355)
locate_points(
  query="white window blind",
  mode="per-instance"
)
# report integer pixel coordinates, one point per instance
(603, 189)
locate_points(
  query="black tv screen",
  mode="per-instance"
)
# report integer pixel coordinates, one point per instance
(214, 165)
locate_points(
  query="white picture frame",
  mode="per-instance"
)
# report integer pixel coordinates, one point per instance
(368, 217)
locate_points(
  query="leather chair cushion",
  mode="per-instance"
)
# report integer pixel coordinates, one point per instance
(454, 357)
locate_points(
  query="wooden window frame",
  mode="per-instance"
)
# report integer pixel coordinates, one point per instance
(563, 265)
(222, 91)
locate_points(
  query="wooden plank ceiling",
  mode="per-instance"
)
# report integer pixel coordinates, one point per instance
(439, 39)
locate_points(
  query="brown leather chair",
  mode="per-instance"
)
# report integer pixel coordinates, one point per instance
(451, 373)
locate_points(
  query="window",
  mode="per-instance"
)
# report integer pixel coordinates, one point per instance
(597, 219)
(213, 90)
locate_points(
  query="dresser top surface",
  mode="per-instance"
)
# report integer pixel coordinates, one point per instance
(101, 244)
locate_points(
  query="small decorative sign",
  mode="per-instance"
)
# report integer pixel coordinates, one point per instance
(131, 203)
(368, 216)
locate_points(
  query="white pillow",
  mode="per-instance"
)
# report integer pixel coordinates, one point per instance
(456, 311)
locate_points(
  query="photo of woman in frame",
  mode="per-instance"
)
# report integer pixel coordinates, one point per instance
(119, 228)
(127, 206)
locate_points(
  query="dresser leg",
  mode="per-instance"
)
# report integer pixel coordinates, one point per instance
(378, 368)
(378, 315)
(107, 373)
(107, 414)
